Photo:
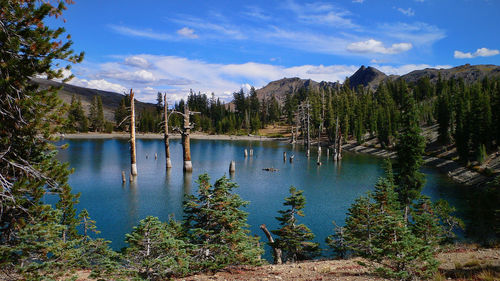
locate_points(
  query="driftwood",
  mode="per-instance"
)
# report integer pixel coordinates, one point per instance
(270, 169)
(276, 251)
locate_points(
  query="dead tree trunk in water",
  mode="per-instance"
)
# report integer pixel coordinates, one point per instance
(165, 137)
(335, 145)
(276, 251)
(308, 130)
(133, 162)
(339, 156)
(188, 165)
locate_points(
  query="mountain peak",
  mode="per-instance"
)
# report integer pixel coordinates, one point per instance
(367, 76)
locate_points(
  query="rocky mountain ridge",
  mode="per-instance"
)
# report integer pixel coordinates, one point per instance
(368, 77)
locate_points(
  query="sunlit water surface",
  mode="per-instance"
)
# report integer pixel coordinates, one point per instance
(329, 189)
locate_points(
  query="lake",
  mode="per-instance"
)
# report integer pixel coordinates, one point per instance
(329, 189)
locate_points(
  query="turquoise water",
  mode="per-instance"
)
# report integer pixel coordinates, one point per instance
(329, 189)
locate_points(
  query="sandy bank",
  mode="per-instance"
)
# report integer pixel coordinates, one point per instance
(455, 171)
(160, 136)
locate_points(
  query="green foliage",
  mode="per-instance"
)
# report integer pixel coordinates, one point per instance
(481, 154)
(444, 118)
(38, 241)
(217, 227)
(97, 114)
(294, 239)
(337, 241)
(376, 230)
(122, 113)
(154, 251)
(410, 148)
(77, 121)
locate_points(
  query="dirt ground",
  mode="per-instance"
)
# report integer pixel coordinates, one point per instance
(458, 264)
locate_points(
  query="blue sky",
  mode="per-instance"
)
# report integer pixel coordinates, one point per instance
(221, 46)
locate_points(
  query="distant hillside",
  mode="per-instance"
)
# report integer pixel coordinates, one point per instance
(286, 86)
(110, 100)
(367, 76)
(470, 73)
(371, 77)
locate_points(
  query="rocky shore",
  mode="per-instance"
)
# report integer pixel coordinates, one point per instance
(455, 171)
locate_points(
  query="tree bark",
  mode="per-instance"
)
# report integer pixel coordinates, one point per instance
(188, 166)
(165, 137)
(133, 162)
(276, 251)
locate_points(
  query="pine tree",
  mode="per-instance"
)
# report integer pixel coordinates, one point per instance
(217, 227)
(122, 113)
(444, 118)
(154, 253)
(35, 238)
(409, 148)
(294, 239)
(77, 121)
(97, 114)
(376, 230)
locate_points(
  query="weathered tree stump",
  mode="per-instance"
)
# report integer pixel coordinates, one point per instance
(232, 167)
(276, 250)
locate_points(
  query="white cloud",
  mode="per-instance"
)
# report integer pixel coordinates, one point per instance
(218, 30)
(137, 62)
(408, 12)
(177, 75)
(254, 12)
(320, 13)
(99, 84)
(407, 68)
(358, 1)
(143, 33)
(417, 33)
(481, 52)
(374, 46)
(187, 32)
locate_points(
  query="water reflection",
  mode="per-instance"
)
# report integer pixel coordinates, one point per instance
(188, 182)
(329, 189)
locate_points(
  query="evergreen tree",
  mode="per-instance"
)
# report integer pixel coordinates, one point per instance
(376, 230)
(37, 240)
(154, 252)
(217, 227)
(77, 121)
(122, 113)
(159, 103)
(409, 148)
(462, 132)
(444, 118)
(293, 238)
(97, 114)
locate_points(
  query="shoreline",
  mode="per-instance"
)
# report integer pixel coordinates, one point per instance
(159, 136)
(452, 169)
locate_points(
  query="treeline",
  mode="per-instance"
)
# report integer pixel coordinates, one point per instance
(78, 121)
(216, 117)
(465, 113)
